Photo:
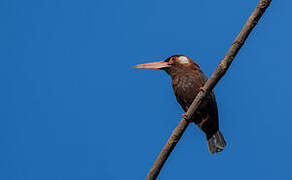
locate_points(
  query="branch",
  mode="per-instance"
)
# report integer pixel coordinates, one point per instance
(209, 85)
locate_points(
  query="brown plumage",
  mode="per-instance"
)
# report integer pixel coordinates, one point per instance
(187, 79)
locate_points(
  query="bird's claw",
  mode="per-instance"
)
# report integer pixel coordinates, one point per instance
(184, 115)
(202, 89)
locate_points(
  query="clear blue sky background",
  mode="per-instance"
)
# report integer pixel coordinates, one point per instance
(71, 106)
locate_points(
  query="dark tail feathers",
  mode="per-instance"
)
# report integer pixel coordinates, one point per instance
(216, 143)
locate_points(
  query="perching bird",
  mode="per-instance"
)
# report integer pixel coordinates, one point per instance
(187, 80)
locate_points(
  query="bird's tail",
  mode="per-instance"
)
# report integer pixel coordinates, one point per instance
(216, 142)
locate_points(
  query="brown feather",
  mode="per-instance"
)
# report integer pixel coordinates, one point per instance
(187, 79)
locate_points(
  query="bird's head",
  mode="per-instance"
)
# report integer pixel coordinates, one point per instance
(172, 63)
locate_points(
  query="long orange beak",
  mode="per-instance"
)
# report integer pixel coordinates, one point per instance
(153, 65)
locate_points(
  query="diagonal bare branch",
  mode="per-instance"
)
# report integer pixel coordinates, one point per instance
(209, 85)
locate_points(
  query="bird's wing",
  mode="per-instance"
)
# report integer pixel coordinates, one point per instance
(204, 79)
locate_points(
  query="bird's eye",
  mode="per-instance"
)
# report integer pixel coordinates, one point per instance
(172, 60)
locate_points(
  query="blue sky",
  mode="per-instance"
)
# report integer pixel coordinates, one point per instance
(71, 106)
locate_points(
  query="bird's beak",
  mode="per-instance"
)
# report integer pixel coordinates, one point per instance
(153, 65)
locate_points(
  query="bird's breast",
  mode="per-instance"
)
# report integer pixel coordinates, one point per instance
(186, 86)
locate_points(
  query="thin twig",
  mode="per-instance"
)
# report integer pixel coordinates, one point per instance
(209, 85)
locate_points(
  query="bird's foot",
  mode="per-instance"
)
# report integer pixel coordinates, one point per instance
(202, 89)
(184, 115)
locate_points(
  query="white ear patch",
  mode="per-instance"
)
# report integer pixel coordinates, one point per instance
(183, 60)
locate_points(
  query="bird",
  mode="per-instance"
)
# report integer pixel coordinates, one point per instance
(187, 81)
